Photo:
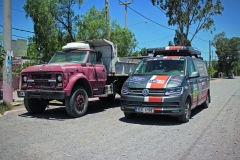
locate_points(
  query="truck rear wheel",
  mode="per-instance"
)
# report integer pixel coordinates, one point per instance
(34, 106)
(77, 104)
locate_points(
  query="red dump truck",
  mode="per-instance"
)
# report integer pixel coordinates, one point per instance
(82, 70)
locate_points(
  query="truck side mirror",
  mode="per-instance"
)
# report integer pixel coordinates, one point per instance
(194, 75)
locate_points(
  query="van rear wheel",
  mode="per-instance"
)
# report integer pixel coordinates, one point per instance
(206, 103)
(187, 112)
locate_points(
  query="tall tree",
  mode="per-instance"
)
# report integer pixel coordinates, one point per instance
(124, 39)
(186, 13)
(93, 26)
(53, 24)
(228, 52)
(177, 40)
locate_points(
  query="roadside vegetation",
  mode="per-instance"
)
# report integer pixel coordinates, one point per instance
(5, 106)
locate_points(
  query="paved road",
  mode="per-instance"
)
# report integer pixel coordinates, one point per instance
(104, 133)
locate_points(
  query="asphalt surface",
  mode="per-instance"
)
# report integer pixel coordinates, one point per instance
(104, 132)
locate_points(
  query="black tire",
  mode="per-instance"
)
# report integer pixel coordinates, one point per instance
(187, 112)
(206, 103)
(77, 104)
(35, 106)
(130, 115)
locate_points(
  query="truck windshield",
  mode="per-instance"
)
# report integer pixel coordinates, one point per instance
(161, 66)
(73, 57)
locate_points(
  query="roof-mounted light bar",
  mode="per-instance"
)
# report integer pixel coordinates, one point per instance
(175, 51)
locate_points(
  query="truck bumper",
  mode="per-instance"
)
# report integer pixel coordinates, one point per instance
(42, 94)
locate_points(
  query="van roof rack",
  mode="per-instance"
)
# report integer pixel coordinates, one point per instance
(175, 51)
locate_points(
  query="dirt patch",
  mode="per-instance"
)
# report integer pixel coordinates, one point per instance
(18, 106)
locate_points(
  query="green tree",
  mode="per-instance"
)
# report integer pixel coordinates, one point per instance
(142, 52)
(190, 13)
(124, 39)
(177, 40)
(54, 22)
(228, 52)
(93, 26)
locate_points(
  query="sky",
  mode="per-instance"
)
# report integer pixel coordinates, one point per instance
(148, 23)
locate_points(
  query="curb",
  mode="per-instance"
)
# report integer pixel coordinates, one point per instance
(12, 111)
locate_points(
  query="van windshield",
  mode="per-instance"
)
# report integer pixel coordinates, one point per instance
(72, 57)
(161, 66)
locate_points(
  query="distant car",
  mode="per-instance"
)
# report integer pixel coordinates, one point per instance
(230, 76)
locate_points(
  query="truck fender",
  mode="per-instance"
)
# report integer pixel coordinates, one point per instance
(74, 79)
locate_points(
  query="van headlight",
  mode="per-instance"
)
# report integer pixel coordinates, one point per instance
(174, 91)
(125, 90)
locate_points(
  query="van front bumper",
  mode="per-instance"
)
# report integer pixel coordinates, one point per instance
(169, 105)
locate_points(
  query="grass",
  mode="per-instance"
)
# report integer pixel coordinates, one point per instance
(5, 106)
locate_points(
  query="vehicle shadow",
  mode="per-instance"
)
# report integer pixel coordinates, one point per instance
(100, 106)
(159, 120)
(60, 113)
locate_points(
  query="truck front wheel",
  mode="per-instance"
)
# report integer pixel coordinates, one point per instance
(77, 105)
(35, 106)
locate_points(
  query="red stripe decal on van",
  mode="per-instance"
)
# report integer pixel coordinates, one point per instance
(157, 81)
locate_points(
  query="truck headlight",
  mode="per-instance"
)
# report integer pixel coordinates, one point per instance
(24, 78)
(59, 78)
(124, 90)
(174, 91)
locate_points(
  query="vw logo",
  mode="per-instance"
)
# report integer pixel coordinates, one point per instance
(145, 92)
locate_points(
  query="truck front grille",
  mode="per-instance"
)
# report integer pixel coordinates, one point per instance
(42, 81)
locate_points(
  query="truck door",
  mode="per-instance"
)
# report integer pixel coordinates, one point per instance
(193, 83)
(96, 74)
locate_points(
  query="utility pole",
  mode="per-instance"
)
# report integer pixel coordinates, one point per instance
(125, 13)
(7, 41)
(108, 19)
(209, 53)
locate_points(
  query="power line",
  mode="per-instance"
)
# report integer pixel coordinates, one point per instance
(161, 24)
(20, 29)
(148, 18)
(15, 9)
(159, 8)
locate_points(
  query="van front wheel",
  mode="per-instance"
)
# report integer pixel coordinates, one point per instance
(187, 112)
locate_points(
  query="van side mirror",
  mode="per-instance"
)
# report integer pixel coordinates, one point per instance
(194, 75)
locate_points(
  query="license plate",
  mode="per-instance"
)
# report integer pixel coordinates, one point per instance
(21, 94)
(144, 109)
